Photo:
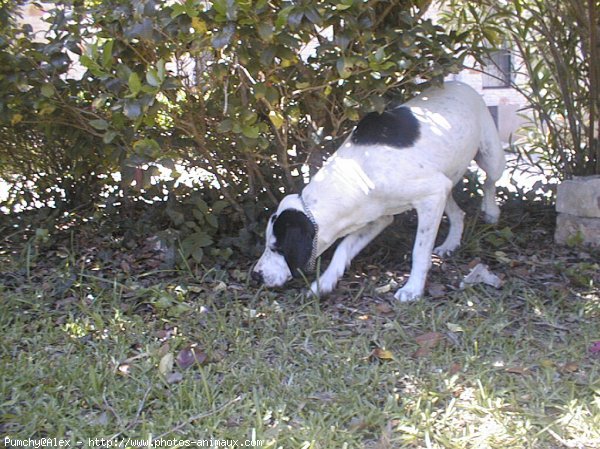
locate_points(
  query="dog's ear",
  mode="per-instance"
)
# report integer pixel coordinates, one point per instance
(294, 234)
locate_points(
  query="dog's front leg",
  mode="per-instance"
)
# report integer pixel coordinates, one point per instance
(346, 251)
(429, 211)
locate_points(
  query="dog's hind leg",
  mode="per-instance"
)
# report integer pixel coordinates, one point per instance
(490, 158)
(456, 217)
(349, 247)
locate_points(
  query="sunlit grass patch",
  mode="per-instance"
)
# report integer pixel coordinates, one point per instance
(200, 356)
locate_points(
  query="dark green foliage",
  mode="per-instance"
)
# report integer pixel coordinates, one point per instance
(251, 96)
(248, 91)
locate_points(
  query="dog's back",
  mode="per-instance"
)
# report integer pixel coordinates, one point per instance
(455, 123)
(440, 130)
(443, 128)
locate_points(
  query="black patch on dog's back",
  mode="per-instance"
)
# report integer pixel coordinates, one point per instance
(294, 234)
(397, 128)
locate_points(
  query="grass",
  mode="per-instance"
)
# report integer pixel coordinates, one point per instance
(90, 354)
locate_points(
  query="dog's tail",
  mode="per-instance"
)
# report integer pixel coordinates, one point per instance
(490, 156)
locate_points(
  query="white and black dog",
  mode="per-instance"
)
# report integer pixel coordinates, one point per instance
(408, 157)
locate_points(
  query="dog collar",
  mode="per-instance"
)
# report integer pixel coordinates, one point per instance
(310, 266)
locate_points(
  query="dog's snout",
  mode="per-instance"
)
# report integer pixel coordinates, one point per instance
(257, 277)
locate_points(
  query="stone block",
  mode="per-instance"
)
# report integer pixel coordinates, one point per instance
(572, 226)
(579, 196)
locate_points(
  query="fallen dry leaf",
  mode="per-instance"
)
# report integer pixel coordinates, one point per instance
(422, 352)
(383, 289)
(481, 274)
(570, 367)
(473, 263)
(357, 423)
(190, 356)
(174, 378)
(384, 308)
(164, 334)
(123, 369)
(436, 290)
(455, 368)
(218, 356)
(547, 363)
(455, 327)
(517, 370)
(427, 342)
(522, 272)
(501, 256)
(382, 354)
(594, 349)
(453, 338)
(458, 391)
(163, 350)
(165, 366)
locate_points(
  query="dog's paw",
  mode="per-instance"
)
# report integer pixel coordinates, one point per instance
(491, 218)
(322, 287)
(312, 292)
(408, 293)
(491, 214)
(446, 249)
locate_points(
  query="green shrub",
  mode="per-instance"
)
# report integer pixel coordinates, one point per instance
(255, 93)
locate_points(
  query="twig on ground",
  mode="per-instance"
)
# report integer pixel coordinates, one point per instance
(111, 409)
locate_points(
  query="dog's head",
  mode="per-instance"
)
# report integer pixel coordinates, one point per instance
(289, 244)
